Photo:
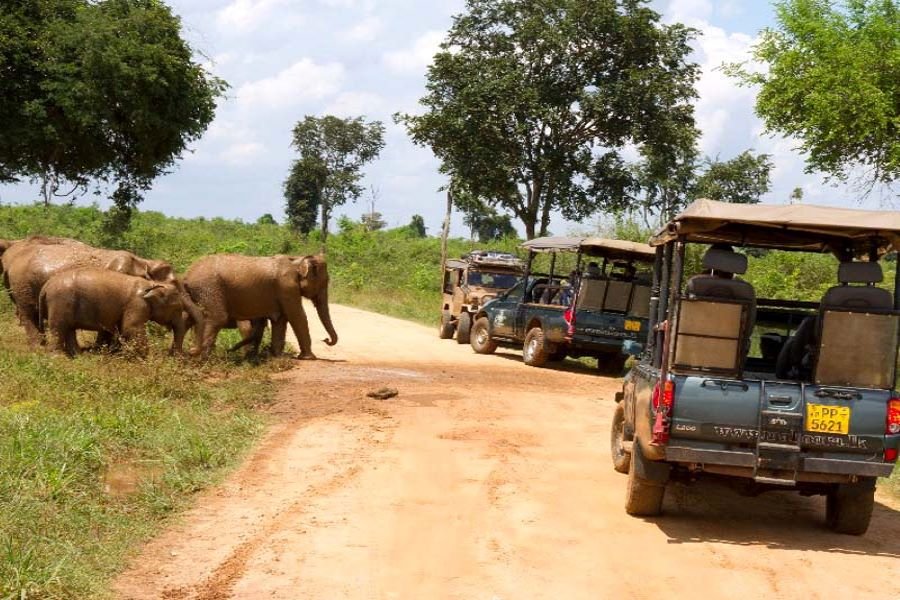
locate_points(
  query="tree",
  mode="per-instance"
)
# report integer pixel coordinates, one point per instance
(490, 226)
(104, 91)
(266, 219)
(742, 180)
(526, 100)
(417, 226)
(302, 197)
(332, 154)
(658, 194)
(830, 80)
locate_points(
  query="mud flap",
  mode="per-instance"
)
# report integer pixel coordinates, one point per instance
(649, 469)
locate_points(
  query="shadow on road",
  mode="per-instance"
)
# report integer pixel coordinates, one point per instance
(569, 365)
(709, 511)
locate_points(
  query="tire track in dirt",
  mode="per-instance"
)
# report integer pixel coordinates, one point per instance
(482, 479)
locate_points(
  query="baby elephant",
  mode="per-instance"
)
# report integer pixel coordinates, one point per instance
(100, 300)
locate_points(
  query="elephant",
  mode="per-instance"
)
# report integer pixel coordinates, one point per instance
(232, 287)
(97, 299)
(29, 264)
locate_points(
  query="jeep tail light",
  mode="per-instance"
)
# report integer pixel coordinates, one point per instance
(569, 316)
(663, 402)
(890, 455)
(892, 425)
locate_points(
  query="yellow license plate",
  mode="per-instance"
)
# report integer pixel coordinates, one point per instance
(822, 418)
(632, 325)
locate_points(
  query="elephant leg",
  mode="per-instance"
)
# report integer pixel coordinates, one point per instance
(179, 330)
(279, 332)
(106, 341)
(297, 318)
(213, 323)
(28, 317)
(252, 334)
(68, 340)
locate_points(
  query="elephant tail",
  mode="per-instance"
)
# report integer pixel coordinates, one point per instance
(42, 309)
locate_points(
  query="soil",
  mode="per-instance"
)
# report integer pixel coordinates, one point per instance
(483, 478)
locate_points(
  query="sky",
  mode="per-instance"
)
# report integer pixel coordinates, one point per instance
(285, 59)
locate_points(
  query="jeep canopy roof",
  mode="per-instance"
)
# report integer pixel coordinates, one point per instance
(791, 227)
(614, 249)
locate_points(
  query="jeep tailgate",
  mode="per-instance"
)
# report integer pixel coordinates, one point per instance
(779, 428)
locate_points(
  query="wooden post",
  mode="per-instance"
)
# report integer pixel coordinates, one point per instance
(445, 233)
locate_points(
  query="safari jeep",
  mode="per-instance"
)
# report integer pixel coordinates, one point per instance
(771, 394)
(598, 308)
(471, 281)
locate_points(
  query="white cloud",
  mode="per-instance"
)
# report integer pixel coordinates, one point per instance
(363, 31)
(242, 153)
(689, 11)
(416, 57)
(244, 16)
(354, 104)
(303, 80)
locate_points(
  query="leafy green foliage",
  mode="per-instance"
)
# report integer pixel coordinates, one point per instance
(417, 226)
(831, 81)
(105, 91)
(332, 152)
(742, 180)
(489, 226)
(527, 101)
(266, 219)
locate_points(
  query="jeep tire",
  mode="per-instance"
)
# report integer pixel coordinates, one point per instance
(480, 338)
(848, 507)
(463, 328)
(446, 328)
(535, 351)
(621, 458)
(643, 496)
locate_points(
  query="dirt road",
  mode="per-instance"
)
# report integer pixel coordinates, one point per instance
(485, 479)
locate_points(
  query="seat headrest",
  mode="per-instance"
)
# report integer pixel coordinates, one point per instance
(860, 272)
(725, 260)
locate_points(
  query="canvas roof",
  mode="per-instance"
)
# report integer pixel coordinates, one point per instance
(593, 247)
(790, 227)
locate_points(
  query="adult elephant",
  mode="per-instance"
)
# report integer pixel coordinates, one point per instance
(29, 264)
(232, 287)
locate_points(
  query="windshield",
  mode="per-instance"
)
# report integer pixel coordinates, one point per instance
(499, 281)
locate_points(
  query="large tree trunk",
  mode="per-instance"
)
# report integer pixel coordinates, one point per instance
(324, 224)
(322, 309)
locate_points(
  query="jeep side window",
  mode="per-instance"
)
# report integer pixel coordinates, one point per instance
(449, 277)
(516, 292)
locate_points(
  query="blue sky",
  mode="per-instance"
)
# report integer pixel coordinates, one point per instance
(288, 58)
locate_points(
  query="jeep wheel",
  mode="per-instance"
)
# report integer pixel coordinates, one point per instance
(620, 457)
(445, 330)
(535, 352)
(480, 339)
(611, 363)
(643, 497)
(463, 328)
(848, 507)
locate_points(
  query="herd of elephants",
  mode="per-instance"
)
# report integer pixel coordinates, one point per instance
(61, 285)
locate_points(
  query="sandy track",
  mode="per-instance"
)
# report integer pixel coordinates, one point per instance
(484, 479)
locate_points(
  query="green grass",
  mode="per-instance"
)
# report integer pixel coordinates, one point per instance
(96, 452)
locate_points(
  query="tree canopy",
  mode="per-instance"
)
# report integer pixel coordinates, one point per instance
(528, 101)
(830, 80)
(332, 152)
(102, 91)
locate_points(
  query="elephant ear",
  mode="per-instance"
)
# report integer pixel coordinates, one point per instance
(306, 266)
(153, 292)
(160, 270)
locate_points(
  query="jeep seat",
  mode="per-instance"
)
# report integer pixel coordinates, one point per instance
(712, 286)
(852, 297)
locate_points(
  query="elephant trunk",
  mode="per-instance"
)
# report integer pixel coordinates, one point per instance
(193, 310)
(321, 303)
